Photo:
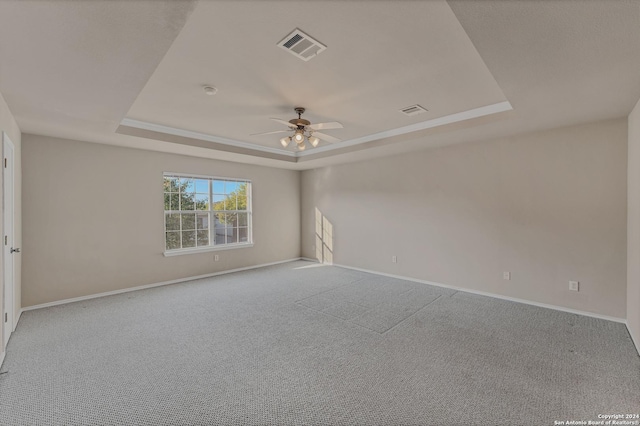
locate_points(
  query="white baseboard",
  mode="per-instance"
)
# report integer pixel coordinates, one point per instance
(143, 287)
(496, 296)
(466, 290)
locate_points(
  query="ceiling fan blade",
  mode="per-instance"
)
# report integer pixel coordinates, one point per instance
(270, 133)
(286, 123)
(326, 138)
(326, 126)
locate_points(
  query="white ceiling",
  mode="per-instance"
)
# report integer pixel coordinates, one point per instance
(78, 69)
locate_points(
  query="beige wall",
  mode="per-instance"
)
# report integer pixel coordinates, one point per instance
(10, 127)
(548, 207)
(633, 227)
(93, 218)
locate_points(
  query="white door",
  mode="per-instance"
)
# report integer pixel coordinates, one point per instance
(9, 250)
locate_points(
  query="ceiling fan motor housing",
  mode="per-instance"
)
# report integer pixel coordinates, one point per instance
(300, 122)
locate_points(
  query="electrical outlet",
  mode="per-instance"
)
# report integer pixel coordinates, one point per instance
(506, 276)
(216, 257)
(574, 286)
(394, 259)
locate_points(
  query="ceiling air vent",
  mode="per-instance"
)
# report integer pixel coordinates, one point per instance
(301, 45)
(413, 110)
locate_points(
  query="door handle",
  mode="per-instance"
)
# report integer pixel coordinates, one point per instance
(14, 250)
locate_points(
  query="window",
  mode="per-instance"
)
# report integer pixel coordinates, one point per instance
(205, 213)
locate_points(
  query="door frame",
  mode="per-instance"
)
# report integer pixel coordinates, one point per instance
(8, 221)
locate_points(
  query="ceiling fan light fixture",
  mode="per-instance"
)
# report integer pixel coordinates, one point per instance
(285, 141)
(301, 131)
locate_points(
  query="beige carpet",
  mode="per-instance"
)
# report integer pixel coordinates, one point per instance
(305, 344)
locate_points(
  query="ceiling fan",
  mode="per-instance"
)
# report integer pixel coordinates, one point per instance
(303, 131)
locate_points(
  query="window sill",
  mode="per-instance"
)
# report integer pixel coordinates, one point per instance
(195, 250)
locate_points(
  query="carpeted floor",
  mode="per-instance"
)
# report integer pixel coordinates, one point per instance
(306, 344)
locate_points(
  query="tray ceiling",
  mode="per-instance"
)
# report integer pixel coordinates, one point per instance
(131, 73)
(363, 79)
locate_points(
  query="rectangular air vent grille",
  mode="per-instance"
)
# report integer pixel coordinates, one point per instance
(301, 45)
(413, 110)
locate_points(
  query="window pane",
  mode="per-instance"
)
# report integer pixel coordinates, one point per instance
(243, 235)
(202, 221)
(172, 222)
(223, 219)
(222, 232)
(230, 202)
(167, 201)
(202, 202)
(242, 202)
(219, 230)
(232, 219)
(243, 219)
(232, 235)
(175, 201)
(188, 239)
(186, 201)
(188, 221)
(203, 238)
(230, 187)
(202, 186)
(218, 187)
(171, 184)
(187, 185)
(218, 202)
(220, 238)
(172, 240)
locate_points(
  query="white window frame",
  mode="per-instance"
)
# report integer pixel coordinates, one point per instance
(212, 246)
